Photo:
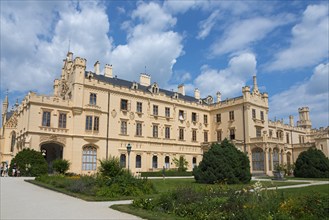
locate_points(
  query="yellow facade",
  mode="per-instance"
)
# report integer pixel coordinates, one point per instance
(93, 116)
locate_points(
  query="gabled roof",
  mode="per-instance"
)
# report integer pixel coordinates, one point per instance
(9, 114)
(128, 84)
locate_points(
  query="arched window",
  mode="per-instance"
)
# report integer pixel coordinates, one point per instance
(167, 162)
(281, 155)
(288, 158)
(138, 161)
(257, 159)
(154, 162)
(89, 158)
(13, 141)
(194, 162)
(123, 160)
(269, 159)
(275, 157)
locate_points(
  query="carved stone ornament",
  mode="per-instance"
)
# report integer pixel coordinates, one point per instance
(132, 116)
(113, 113)
(52, 138)
(64, 88)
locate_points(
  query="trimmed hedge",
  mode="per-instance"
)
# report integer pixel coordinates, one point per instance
(167, 173)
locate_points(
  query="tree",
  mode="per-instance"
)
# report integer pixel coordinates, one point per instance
(61, 166)
(181, 163)
(312, 164)
(30, 163)
(110, 167)
(223, 163)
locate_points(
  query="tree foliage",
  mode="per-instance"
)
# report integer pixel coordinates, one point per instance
(223, 163)
(30, 163)
(312, 164)
(110, 167)
(61, 166)
(181, 163)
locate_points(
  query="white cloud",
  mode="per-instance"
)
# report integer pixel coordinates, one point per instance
(228, 81)
(243, 33)
(151, 43)
(32, 47)
(312, 93)
(309, 44)
(206, 25)
(182, 6)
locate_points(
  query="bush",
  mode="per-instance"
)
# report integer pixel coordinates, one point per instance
(181, 163)
(312, 164)
(167, 173)
(223, 163)
(110, 167)
(29, 162)
(61, 166)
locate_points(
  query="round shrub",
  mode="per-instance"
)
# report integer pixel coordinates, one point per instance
(312, 164)
(61, 165)
(30, 163)
(223, 163)
(110, 167)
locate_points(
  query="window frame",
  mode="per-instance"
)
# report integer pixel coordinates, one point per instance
(139, 129)
(89, 157)
(231, 115)
(232, 133)
(93, 99)
(62, 118)
(123, 127)
(89, 123)
(194, 135)
(46, 118)
(167, 132)
(96, 123)
(155, 110)
(167, 112)
(155, 130)
(124, 104)
(205, 119)
(205, 137)
(181, 134)
(219, 118)
(138, 162)
(139, 107)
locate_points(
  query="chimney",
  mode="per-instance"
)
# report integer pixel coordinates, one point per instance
(291, 120)
(255, 88)
(181, 89)
(69, 56)
(197, 93)
(96, 67)
(108, 71)
(219, 97)
(144, 79)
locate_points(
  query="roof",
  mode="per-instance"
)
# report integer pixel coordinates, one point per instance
(128, 84)
(9, 114)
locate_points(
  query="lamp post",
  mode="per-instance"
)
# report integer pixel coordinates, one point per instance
(128, 151)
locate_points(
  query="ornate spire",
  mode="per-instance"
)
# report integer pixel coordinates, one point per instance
(255, 88)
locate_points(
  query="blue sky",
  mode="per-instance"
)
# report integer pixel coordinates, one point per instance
(210, 45)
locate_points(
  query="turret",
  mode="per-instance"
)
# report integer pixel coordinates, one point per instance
(181, 89)
(304, 118)
(5, 105)
(219, 97)
(291, 120)
(197, 93)
(255, 87)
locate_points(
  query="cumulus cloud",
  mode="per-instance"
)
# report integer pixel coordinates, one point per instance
(228, 81)
(150, 43)
(312, 93)
(32, 47)
(241, 34)
(309, 44)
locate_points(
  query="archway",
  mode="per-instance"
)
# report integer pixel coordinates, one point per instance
(257, 159)
(51, 151)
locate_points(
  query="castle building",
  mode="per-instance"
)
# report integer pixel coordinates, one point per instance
(93, 116)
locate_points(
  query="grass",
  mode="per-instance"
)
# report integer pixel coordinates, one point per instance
(321, 189)
(145, 214)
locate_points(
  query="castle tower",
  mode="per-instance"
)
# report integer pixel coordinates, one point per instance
(5, 105)
(304, 118)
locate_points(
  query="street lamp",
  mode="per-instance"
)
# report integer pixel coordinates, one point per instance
(128, 151)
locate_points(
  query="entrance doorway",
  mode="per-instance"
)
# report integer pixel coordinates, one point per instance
(51, 152)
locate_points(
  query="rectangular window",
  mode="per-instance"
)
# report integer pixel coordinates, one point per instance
(138, 129)
(270, 133)
(155, 110)
(92, 98)
(181, 115)
(262, 115)
(232, 134)
(89, 123)
(139, 107)
(46, 118)
(123, 127)
(193, 117)
(124, 105)
(205, 119)
(205, 136)
(181, 134)
(194, 135)
(253, 113)
(96, 123)
(287, 138)
(62, 120)
(231, 115)
(258, 132)
(167, 112)
(155, 131)
(218, 118)
(167, 132)
(219, 135)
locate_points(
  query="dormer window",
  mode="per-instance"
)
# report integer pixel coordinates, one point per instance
(210, 100)
(175, 96)
(155, 88)
(134, 86)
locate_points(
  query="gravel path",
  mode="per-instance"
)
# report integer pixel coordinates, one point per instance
(22, 200)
